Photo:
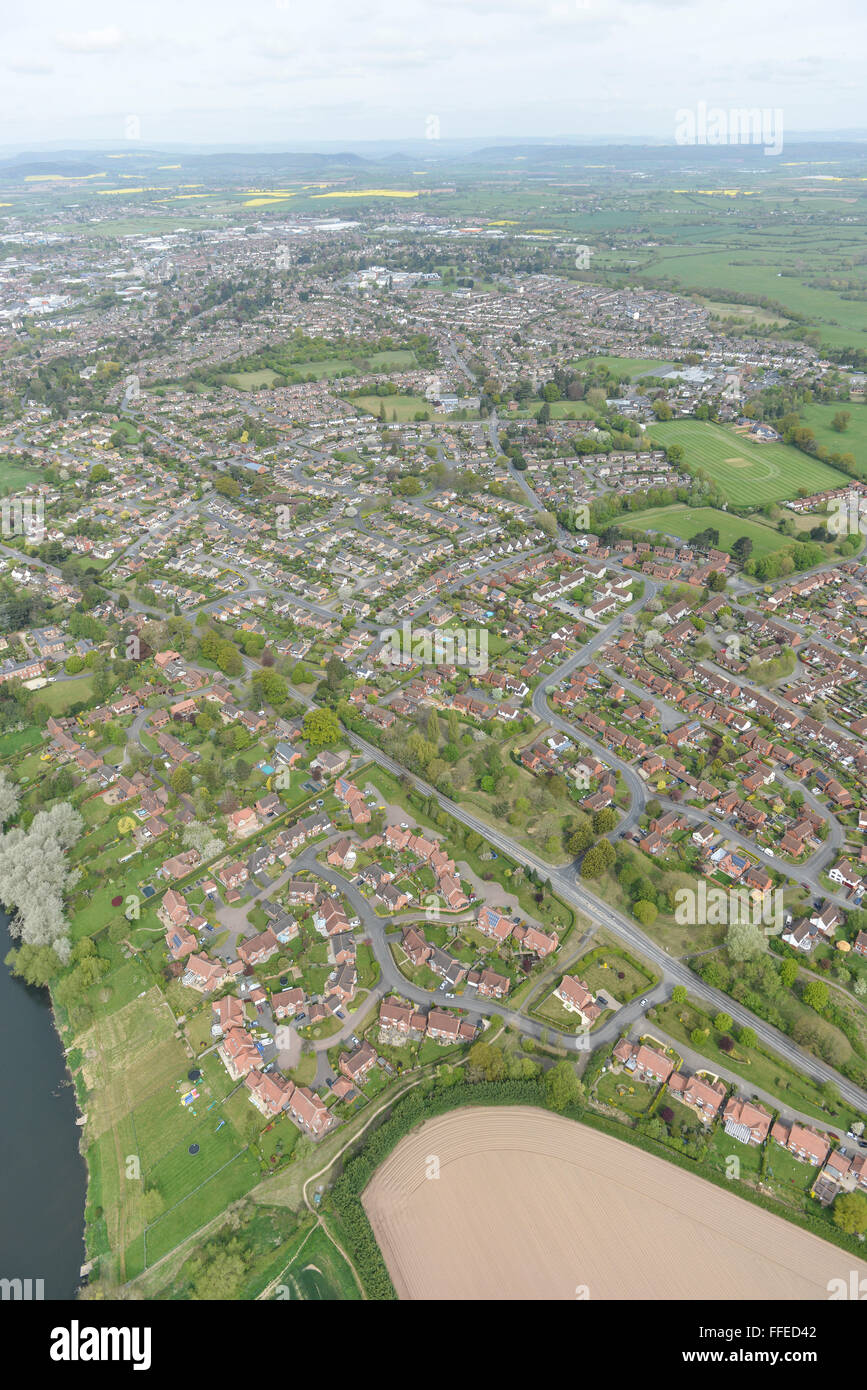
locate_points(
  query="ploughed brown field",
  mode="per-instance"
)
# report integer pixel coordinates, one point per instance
(532, 1206)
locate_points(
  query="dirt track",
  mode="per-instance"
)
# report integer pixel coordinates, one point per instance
(532, 1206)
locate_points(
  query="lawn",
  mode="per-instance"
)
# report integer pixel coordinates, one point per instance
(552, 1012)
(61, 694)
(623, 1092)
(19, 740)
(600, 970)
(747, 473)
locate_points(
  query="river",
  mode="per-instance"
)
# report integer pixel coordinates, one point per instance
(43, 1177)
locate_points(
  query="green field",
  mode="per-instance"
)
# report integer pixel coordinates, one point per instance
(14, 476)
(686, 522)
(318, 1272)
(766, 263)
(631, 367)
(61, 694)
(853, 440)
(747, 473)
(399, 408)
(398, 360)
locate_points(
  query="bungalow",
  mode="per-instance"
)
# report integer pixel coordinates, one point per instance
(180, 864)
(332, 764)
(243, 823)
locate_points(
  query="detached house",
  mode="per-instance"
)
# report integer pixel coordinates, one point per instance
(577, 999)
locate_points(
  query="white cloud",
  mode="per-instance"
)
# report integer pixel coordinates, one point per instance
(30, 69)
(93, 41)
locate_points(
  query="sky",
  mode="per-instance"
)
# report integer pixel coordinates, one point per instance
(276, 72)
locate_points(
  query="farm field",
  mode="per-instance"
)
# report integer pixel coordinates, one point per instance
(686, 522)
(748, 474)
(763, 263)
(594, 1212)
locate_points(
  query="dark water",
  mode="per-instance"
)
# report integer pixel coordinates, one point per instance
(42, 1175)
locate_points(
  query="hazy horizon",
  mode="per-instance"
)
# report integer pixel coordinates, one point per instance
(283, 75)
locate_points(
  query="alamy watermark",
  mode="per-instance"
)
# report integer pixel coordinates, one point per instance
(711, 906)
(739, 125)
(454, 646)
(853, 1288)
(848, 515)
(23, 516)
(22, 1290)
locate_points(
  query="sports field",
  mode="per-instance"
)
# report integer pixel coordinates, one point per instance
(528, 1205)
(747, 473)
(686, 522)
